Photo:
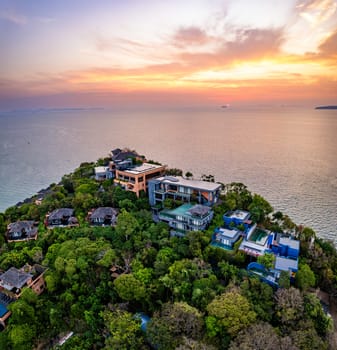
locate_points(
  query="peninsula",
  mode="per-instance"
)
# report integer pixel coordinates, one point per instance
(128, 253)
(326, 107)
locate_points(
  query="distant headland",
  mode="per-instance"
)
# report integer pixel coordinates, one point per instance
(326, 107)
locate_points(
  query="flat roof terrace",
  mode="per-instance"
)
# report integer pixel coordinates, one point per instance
(292, 243)
(197, 184)
(145, 167)
(239, 214)
(224, 232)
(286, 264)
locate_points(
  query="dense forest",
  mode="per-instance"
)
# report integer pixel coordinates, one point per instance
(101, 280)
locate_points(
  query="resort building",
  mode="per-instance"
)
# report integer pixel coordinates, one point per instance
(103, 216)
(225, 237)
(61, 218)
(20, 231)
(257, 241)
(179, 188)
(286, 251)
(136, 179)
(187, 217)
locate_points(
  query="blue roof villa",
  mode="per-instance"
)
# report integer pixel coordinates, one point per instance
(226, 236)
(237, 217)
(185, 190)
(187, 217)
(286, 246)
(286, 251)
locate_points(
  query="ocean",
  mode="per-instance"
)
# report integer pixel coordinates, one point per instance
(286, 154)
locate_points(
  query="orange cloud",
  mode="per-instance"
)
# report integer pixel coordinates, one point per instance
(329, 46)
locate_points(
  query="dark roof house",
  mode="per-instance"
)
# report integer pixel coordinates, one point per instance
(12, 283)
(14, 278)
(119, 155)
(61, 217)
(21, 231)
(103, 216)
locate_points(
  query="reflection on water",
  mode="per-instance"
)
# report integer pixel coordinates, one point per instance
(287, 155)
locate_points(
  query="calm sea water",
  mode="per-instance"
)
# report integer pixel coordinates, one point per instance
(288, 155)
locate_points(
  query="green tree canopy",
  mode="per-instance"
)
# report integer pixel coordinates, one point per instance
(232, 313)
(267, 260)
(289, 305)
(124, 329)
(129, 288)
(259, 208)
(305, 277)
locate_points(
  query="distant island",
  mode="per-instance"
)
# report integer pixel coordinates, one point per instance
(326, 107)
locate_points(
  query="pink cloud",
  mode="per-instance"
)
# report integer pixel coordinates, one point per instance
(249, 44)
(190, 36)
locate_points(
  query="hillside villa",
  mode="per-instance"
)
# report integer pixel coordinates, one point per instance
(181, 189)
(62, 217)
(103, 216)
(21, 231)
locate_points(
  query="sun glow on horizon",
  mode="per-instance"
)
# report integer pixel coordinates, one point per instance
(171, 49)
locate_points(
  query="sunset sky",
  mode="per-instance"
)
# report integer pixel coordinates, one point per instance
(83, 53)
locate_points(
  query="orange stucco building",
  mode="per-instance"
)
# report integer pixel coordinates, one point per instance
(135, 179)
